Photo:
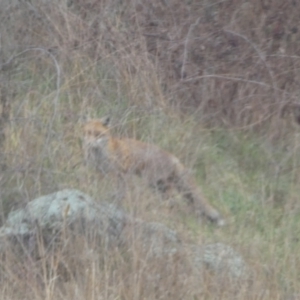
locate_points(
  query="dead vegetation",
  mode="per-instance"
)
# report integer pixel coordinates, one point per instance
(170, 72)
(234, 63)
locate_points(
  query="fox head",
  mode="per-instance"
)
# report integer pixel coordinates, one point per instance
(96, 132)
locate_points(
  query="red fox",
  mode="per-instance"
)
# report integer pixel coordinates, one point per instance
(161, 169)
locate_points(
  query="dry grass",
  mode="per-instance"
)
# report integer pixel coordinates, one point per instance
(208, 82)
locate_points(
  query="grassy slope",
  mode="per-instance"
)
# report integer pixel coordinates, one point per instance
(252, 178)
(237, 170)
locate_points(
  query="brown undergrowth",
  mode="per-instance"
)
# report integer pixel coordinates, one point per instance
(214, 83)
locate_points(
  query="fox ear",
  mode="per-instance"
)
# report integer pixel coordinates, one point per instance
(105, 120)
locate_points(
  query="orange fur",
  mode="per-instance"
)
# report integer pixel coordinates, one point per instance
(160, 168)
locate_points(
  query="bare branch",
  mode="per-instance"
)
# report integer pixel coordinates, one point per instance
(185, 52)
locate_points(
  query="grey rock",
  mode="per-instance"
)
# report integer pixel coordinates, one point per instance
(220, 258)
(72, 209)
(67, 207)
(156, 238)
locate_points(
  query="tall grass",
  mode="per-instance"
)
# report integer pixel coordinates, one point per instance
(210, 96)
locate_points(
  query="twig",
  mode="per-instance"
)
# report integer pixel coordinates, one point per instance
(185, 52)
(228, 78)
(57, 94)
(259, 54)
(193, 78)
(58, 72)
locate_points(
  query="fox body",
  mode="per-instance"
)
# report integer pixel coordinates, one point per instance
(160, 168)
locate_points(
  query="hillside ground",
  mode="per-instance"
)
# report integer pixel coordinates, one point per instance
(227, 112)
